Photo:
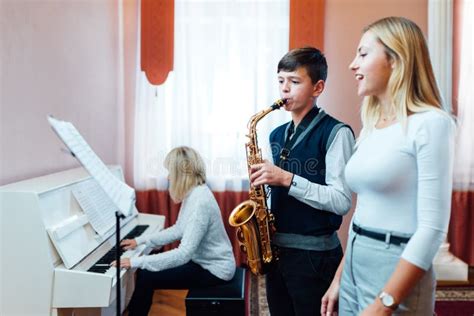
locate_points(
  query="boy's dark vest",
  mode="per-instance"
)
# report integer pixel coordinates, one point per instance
(306, 159)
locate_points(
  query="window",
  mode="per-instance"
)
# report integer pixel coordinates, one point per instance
(226, 55)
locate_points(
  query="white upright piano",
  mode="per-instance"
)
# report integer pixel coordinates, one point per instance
(53, 260)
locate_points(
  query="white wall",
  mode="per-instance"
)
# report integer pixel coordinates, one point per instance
(60, 58)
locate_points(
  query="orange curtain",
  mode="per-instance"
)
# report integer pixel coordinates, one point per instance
(159, 202)
(157, 39)
(307, 23)
(461, 226)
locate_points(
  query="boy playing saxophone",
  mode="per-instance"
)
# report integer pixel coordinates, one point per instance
(308, 192)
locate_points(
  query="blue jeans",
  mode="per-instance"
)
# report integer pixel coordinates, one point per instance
(189, 275)
(298, 280)
(368, 265)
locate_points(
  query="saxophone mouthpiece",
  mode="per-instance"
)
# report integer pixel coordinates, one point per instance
(279, 103)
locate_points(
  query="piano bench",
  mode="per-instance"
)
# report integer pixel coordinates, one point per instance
(226, 299)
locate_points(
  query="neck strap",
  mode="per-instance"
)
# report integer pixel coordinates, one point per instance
(290, 141)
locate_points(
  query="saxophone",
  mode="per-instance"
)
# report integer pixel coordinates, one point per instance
(254, 223)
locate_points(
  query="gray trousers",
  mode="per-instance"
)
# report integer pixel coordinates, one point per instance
(368, 265)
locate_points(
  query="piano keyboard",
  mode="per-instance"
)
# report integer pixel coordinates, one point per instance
(103, 264)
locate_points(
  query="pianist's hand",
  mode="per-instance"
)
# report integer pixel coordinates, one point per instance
(124, 263)
(128, 244)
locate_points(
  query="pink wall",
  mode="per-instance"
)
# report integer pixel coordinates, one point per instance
(130, 26)
(59, 58)
(345, 20)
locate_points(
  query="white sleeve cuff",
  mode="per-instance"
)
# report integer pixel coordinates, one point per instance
(298, 187)
(140, 240)
(136, 262)
(422, 247)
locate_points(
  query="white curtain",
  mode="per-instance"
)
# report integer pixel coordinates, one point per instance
(464, 166)
(226, 56)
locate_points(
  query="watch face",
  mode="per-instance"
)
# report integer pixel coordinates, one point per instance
(387, 300)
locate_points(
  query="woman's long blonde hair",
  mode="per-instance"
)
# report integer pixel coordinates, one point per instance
(186, 170)
(412, 84)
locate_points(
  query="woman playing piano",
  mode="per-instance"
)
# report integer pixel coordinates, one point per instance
(204, 256)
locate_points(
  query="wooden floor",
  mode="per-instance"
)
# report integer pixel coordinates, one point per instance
(169, 303)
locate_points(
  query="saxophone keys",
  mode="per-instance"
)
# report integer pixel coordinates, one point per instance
(240, 235)
(261, 216)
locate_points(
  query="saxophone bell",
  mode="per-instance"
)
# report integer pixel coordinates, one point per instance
(242, 213)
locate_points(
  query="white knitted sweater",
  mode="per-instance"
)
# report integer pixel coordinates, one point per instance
(203, 238)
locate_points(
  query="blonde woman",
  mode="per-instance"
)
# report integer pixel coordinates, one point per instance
(204, 256)
(402, 174)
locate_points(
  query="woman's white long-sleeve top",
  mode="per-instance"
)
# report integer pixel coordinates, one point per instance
(203, 238)
(403, 181)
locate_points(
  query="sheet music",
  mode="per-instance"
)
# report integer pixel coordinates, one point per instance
(99, 208)
(119, 192)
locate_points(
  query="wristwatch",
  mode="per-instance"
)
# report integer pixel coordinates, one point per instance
(388, 300)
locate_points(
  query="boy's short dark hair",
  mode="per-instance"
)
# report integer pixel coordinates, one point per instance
(308, 57)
